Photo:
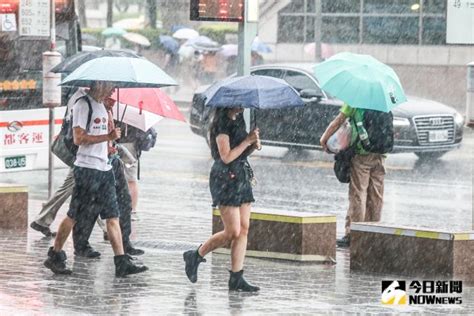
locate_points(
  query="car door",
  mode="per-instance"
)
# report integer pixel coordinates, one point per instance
(312, 119)
(273, 124)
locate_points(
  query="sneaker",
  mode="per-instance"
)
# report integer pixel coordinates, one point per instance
(56, 262)
(124, 266)
(237, 282)
(42, 229)
(133, 251)
(344, 242)
(87, 252)
(192, 260)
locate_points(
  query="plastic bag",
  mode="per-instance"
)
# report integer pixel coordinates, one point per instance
(341, 139)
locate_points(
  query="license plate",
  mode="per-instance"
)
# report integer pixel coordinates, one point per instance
(15, 162)
(438, 136)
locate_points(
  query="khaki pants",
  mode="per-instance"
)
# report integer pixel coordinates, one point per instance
(365, 189)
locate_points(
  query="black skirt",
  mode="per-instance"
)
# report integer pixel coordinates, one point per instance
(230, 184)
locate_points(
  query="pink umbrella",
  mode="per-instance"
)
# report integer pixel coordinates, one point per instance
(151, 100)
(326, 50)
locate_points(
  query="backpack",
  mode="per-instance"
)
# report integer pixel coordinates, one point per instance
(146, 140)
(379, 128)
(63, 146)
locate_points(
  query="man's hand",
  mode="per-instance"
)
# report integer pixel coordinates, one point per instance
(115, 134)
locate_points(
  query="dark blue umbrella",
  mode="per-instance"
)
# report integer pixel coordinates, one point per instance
(169, 44)
(258, 92)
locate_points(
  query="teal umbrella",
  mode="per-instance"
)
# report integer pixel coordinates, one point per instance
(124, 72)
(360, 81)
(113, 31)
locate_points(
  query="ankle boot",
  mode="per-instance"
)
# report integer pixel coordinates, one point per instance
(238, 283)
(124, 266)
(192, 260)
(56, 262)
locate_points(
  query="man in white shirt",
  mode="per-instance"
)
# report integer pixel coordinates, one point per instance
(94, 191)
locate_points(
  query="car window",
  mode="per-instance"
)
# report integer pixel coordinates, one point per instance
(275, 73)
(300, 81)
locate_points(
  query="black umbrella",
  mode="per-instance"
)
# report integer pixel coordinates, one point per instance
(71, 63)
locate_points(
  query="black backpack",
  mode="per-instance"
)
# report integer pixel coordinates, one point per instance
(146, 140)
(379, 127)
(63, 146)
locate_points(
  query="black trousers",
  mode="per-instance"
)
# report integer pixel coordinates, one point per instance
(82, 229)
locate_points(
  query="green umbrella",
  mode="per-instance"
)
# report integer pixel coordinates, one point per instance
(360, 81)
(113, 31)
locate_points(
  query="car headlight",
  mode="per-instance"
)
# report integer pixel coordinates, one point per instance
(458, 119)
(401, 122)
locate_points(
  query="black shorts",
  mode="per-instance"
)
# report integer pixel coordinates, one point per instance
(231, 185)
(93, 194)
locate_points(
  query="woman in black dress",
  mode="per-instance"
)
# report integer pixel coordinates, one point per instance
(231, 189)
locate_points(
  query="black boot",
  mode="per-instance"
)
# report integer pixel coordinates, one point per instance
(238, 283)
(344, 242)
(192, 260)
(129, 249)
(56, 262)
(124, 266)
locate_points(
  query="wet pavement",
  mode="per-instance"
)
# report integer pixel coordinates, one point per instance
(175, 215)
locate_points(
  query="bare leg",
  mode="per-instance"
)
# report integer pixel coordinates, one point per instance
(63, 233)
(133, 187)
(115, 235)
(239, 244)
(231, 218)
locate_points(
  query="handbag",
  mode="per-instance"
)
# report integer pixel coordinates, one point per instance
(341, 139)
(342, 164)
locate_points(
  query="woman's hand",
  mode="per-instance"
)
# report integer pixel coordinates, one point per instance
(253, 137)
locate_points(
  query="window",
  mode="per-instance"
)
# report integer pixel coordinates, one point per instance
(391, 30)
(275, 73)
(294, 6)
(290, 29)
(340, 30)
(434, 31)
(434, 6)
(340, 6)
(300, 81)
(391, 6)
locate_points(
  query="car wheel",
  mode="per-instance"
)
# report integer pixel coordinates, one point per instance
(434, 155)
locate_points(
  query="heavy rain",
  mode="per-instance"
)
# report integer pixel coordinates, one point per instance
(238, 156)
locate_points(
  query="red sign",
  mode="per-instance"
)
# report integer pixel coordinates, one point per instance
(217, 10)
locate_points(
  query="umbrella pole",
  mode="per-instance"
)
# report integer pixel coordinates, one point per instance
(118, 104)
(123, 114)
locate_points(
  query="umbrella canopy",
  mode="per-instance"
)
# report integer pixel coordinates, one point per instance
(132, 116)
(137, 39)
(229, 50)
(168, 44)
(260, 47)
(151, 100)
(259, 92)
(199, 40)
(124, 72)
(113, 31)
(73, 62)
(361, 81)
(185, 33)
(326, 50)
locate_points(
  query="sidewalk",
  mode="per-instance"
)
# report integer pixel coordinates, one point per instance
(165, 232)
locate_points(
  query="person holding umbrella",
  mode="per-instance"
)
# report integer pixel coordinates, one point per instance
(94, 191)
(231, 176)
(372, 89)
(231, 190)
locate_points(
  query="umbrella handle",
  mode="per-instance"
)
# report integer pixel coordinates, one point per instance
(118, 104)
(123, 114)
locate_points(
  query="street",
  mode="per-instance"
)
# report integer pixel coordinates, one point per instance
(175, 215)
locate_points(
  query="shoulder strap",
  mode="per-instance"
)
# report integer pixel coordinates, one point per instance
(89, 115)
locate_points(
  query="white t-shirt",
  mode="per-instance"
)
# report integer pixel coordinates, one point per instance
(93, 156)
(70, 103)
